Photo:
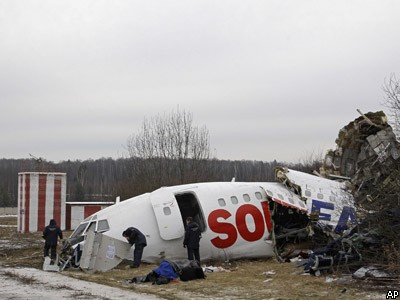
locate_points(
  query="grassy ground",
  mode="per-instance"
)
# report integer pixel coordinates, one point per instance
(243, 279)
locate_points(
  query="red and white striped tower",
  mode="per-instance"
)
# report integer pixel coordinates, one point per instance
(41, 197)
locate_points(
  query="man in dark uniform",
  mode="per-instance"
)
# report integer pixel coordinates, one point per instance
(51, 233)
(135, 237)
(192, 239)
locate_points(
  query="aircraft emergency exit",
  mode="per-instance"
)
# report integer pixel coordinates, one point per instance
(237, 219)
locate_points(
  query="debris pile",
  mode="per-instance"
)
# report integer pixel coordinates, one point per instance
(367, 155)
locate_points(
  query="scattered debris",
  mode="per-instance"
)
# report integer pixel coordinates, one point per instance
(269, 273)
(372, 271)
(50, 265)
(330, 279)
(211, 269)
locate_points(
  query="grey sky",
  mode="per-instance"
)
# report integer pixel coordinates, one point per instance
(269, 79)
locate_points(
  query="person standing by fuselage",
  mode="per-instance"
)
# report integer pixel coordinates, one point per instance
(192, 239)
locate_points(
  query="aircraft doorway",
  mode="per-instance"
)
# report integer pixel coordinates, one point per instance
(189, 207)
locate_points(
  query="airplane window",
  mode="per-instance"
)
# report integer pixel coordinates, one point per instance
(269, 193)
(103, 226)
(234, 200)
(291, 200)
(258, 196)
(320, 196)
(280, 196)
(92, 227)
(308, 193)
(246, 198)
(221, 202)
(79, 230)
(167, 210)
(332, 198)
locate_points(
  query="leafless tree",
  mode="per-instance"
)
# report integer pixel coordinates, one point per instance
(172, 145)
(391, 88)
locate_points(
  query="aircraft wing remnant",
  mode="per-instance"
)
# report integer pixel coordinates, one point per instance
(102, 253)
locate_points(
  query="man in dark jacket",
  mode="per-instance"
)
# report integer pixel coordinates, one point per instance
(192, 239)
(135, 237)
(51, 233)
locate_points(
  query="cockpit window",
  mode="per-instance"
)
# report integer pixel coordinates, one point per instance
(92, 227)
(96, 226)
(103, 226)
(79, 230)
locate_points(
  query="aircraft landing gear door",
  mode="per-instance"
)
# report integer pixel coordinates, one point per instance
(168, 215)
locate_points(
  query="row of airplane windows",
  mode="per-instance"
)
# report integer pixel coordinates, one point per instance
(246, 198)
(234, 199)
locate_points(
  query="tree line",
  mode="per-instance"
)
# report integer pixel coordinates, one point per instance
(106, 178)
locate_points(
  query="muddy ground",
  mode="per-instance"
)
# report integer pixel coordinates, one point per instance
(243, 279)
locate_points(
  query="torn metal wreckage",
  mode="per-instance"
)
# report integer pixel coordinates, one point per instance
(367, 156)
(366, 160)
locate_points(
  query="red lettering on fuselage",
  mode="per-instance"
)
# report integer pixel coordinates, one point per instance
(267, 215)
(222, 227)
(229, 229)
(259, 225)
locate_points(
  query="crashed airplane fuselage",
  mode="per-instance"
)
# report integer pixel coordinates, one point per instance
(237, 219)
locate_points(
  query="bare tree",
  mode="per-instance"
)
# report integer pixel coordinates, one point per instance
(172, 145)
(311, 161)
(391, 88)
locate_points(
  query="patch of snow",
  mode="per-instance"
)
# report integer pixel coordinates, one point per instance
(38, 284)
(330, 279)
(210, 269)
(269, 273)
(369, 272)
(7, 244)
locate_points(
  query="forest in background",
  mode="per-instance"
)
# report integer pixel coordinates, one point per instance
(106, 178)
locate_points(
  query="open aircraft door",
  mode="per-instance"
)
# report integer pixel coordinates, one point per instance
(168, 214)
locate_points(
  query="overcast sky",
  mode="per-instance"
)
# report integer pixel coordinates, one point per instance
(270, 79)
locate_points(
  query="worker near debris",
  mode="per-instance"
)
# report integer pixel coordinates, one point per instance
(135, 237)
(192, 239)
(51, 233)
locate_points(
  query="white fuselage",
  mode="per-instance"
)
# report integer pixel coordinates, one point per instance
(234, 216)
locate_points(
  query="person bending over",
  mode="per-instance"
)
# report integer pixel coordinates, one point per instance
(135, 237)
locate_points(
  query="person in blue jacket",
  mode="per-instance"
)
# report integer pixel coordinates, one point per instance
(135, 237)
(51, 233)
